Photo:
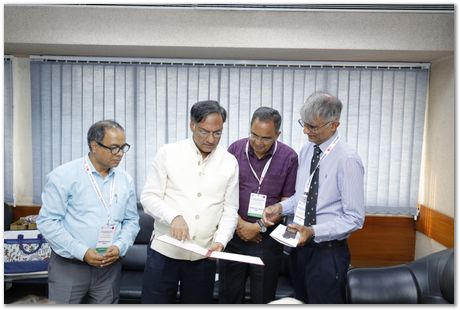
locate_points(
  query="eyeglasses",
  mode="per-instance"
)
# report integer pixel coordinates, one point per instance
(311, 128)
(205, 133)
(117, 148)
(265, 140)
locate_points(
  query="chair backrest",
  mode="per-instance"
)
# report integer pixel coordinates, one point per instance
(447, 279)
(428, 271)
(146, 226)
(7, 216)
(137, 254)
(385, 285)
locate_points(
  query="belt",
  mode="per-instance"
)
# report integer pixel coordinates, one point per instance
(327, 244)
(70, 260)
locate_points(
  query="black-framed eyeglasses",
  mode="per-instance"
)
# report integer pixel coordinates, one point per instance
(116, 148)
(205, 133)
(265, 140)
(311, 128)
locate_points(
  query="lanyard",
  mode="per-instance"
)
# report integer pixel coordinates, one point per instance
(326, 152)
(267, 165)
(99, 193)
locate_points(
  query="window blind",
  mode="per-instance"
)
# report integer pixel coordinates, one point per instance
(383, 115)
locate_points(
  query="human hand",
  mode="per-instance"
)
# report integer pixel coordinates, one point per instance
(216, 246)
(93, 258)
(248, 231)
(179, 228)
(272, 214)
(110, 256)
(305, 233)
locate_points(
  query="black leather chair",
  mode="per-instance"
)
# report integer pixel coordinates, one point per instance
(134, 261)
(428, 280)
(433, 272)
(7, 216)
(447, 280)
(386, 285)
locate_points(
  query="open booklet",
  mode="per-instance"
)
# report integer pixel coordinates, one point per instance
(189, 246)
(279, 234)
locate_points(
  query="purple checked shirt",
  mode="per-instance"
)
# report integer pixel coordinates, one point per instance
(278, 182)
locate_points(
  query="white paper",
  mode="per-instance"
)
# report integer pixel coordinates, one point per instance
(189, 246)
(278, 233)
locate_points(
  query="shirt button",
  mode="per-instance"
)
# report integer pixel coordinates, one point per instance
(193, 238)
(197, 217)
(200, 173)
(199, 194)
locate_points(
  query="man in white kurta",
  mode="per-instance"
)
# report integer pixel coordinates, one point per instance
(192, 193)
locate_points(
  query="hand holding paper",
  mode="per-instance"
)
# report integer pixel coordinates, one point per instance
(279, 234)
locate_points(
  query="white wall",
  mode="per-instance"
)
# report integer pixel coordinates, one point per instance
(437, 177)
(131, 31)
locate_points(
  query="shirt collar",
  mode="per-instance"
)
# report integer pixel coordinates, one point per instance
(323, 146)
(93, 170)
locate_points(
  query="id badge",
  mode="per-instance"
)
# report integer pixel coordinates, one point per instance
(299, 216)
(257, 205)
(105, 238)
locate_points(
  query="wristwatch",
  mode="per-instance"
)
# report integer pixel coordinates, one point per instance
(262, 227)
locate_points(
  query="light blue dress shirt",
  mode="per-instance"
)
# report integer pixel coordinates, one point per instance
(72, 214)
(340, 208)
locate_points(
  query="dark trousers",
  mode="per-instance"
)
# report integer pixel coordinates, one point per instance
(163, 274)
(263, 279)
(319, 274)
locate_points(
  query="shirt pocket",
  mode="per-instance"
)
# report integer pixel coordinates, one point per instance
(119, 204)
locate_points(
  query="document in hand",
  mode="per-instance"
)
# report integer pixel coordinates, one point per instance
(279, 235)
(189, 246)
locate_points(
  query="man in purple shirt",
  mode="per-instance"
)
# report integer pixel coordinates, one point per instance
(267, 175)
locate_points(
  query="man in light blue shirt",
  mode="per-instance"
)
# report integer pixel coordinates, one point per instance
(320, 261)
(89, 217)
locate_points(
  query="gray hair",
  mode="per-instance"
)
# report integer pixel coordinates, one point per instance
(266, 114)
(97, 131)
(321, 104)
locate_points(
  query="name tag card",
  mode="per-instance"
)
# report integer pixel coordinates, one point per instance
(299, 216)
(257, 205)
(105, 238)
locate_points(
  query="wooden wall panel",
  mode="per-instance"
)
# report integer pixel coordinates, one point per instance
(383, 241)
(22, 211)
(436, 226)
